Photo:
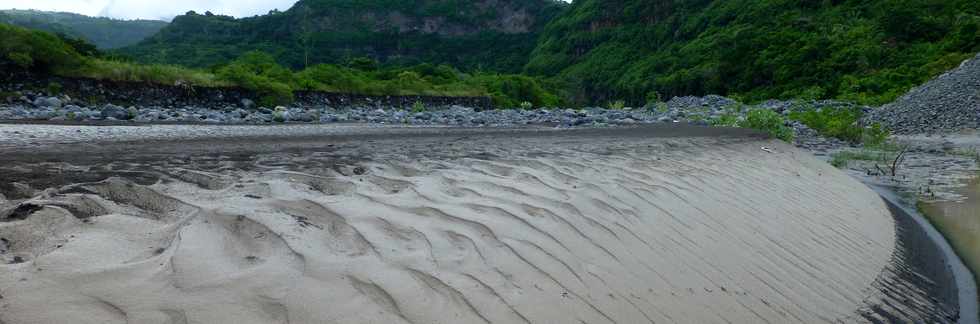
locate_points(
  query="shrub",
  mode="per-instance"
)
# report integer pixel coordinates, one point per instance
(259, 72)
(768, 121)
(418, 106)
(725, 120)
(53, 88)
(617, 105)
(509, 91)
(527, 105)
(841, 123)
(875, 135)
(132, 113)
(36, 50)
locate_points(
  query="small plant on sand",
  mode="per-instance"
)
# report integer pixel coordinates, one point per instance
(418, 106)
(527, 105)
(725, 120)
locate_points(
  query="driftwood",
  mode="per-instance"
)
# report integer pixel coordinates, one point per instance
(899, 159)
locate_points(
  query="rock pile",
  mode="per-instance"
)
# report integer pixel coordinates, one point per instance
(948, 103)
(697, 110)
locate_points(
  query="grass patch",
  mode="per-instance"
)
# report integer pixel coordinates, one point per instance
(842, 159)
(765, 120)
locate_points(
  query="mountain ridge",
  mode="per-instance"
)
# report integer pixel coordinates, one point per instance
(495, 35)
(104, 33)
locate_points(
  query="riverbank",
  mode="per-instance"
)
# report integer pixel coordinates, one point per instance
(936, 174)
(409, 224)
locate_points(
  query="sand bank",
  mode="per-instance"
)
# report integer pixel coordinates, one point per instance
(447, 226)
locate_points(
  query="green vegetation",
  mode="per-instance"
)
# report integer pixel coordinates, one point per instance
(617, 105)
(473, 35)
(257, 71)
(864, 51)
(886, 152)
(765, 120)
(839, 122)
(842, 159)
(596, 52)
(768, 121)
(418, 107)
(105, 33)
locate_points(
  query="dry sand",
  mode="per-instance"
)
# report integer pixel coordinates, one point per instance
(410, 226)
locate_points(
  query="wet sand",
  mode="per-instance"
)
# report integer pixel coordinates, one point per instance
(431, 225)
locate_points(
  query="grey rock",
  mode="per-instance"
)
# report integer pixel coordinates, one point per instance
(114, 112)
(248, 104)
(48, 102)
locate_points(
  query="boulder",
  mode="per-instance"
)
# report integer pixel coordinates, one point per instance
(248, 104)
(48, 102)
(115, 112)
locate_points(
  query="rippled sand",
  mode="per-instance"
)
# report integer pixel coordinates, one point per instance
(454, 228)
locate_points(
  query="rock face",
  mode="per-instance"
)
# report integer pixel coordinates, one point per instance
(948, 103)
(115, 112)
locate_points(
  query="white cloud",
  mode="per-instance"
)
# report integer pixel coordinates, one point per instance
(151, 9)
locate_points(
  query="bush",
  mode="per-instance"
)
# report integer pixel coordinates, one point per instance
(259, 72)
(617, 105)
(36, 50)
(418, 106)
(840, 122)
(768, 121)
(725, 120)
(509, 91)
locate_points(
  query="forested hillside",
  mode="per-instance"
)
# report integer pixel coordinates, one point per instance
(105, 33)
(495, 35)
(867, 51)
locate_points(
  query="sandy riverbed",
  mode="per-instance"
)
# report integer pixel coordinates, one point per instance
(392, 225)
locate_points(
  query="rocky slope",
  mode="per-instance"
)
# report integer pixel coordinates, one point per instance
(492, 34)
(948, 103)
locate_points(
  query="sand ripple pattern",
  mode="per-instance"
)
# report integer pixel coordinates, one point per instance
(630, 231)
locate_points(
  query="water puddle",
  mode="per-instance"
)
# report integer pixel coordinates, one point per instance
(959, 221)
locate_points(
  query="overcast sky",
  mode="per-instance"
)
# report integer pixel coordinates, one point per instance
(151, 9)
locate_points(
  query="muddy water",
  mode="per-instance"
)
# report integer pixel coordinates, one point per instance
(960, 223)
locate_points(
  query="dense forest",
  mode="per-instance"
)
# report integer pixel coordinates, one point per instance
(494, 35)
(105, 33)
(859, 50)
(589, 52)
